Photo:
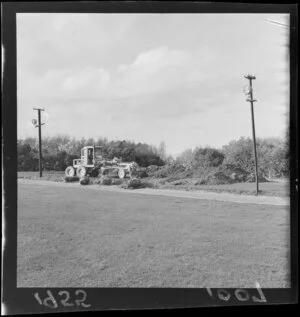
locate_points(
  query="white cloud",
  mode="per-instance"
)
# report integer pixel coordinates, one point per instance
(160, 69)
(150, 78)
(154, 71)
(158, 58)
(88, 78)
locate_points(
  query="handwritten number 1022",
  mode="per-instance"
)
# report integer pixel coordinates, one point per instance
(51, 302)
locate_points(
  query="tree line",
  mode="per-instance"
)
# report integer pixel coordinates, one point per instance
(272, 154)
(59, 152)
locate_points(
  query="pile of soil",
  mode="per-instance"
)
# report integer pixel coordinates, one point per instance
(69, 179)
(171, 170)
(228, 174)
(217, 178)
(84, 180)
(233, 172)
(152, 169)
(106, 181)
(223, 174)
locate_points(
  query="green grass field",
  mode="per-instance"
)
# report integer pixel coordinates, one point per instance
(77, 237)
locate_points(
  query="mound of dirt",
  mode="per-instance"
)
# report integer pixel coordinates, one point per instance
(179, 182)
(236, 174)
(134, 183)
(218, 178)
(69, 179)
(106, 181)
(152, 168)
(223, 174)
(171, 170)
(117, 181)
(228, 174)
(84, 180)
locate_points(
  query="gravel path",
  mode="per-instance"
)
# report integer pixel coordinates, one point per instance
(205, 195)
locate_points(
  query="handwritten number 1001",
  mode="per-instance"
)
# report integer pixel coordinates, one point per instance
(51, 302)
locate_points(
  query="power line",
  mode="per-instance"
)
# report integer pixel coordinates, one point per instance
(278, 23)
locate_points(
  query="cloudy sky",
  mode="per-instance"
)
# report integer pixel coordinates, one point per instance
(176, 78)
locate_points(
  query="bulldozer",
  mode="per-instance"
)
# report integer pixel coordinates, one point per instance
(93, 163)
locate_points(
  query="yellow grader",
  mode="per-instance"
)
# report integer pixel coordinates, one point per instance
(93, 163)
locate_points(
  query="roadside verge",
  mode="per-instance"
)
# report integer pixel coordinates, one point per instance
(242, 199)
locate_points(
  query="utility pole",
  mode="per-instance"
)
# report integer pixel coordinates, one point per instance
(251, 100)
(39, 124)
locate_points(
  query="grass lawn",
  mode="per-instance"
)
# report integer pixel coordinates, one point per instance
(76, 237)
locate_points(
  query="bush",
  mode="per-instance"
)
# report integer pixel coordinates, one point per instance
(208, 157)
(84, 180)
(106, 181)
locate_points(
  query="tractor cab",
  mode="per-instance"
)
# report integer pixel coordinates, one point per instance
(90, 155)
(87, 156)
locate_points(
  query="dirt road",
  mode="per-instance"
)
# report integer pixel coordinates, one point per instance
(242, 199)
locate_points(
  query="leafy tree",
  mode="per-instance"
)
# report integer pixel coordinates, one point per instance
(161, 151)
(272, 156)
(186, 158)
(128, 154)
(207, 157)
(240, 153)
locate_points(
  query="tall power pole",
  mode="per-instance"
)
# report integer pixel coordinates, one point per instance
(251, 100)
(39, 125)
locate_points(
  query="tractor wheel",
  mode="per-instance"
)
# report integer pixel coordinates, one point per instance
(70, 171)
(81, 171)
(121, 173)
